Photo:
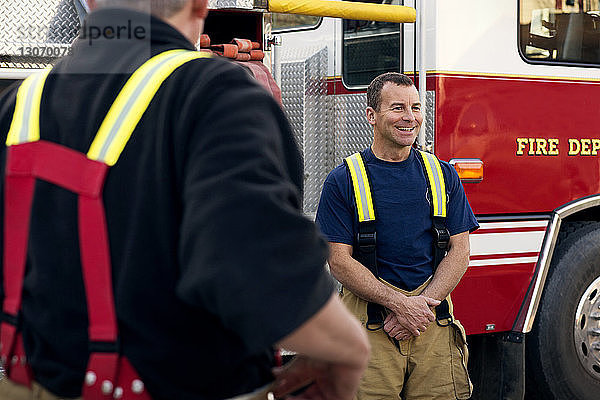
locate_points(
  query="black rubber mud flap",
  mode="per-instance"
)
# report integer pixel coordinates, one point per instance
(497, 366)
(513, 366)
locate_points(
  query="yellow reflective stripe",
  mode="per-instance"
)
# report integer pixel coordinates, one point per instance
(442, 184)
(132, 102)
(357, 194)
(365, 178)
(25, 125)
(362, 188)
(437, 185)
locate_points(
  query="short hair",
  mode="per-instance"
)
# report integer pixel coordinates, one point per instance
(376, 85)
(160, 8)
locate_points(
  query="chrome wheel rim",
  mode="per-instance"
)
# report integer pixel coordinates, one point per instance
(587, 329)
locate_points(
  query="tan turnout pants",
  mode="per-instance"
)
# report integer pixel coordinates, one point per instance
(431, 366)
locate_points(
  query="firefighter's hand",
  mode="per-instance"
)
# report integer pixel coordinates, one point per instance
(322, 380)
(414, 313)
(392, 327)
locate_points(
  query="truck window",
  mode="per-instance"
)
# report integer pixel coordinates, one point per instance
(284, 22)
(370, 48)
(560, 31)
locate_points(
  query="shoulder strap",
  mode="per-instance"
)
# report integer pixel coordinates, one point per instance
(435, 182)
(362, 187)
(366, 239)
(441, 237)
(437, 189)
(365, 243)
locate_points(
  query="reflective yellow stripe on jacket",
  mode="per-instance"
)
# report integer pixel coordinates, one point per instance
(25, 125)
(132, 101)
(123, 116)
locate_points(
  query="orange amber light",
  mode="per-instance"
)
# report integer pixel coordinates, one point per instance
(469, 169)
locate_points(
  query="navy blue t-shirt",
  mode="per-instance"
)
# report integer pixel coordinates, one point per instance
(402, 212)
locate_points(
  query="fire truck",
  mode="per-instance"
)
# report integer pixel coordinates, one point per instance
(511, 94)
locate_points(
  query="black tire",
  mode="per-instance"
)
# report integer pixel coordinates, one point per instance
(554, 369)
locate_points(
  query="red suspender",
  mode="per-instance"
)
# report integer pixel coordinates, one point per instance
(17, 206)
(73, 171)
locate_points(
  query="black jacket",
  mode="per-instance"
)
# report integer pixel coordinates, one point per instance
(212, 258)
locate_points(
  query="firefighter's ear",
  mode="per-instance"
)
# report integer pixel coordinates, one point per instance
(371, 115)
(200, 8)
(91, 4)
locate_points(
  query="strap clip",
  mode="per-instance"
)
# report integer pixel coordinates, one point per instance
(366, 238)
(367, 241)
(442, 314)
(375, 316)
(441, 237)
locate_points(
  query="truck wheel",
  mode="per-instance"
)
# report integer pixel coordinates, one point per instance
(563, 349)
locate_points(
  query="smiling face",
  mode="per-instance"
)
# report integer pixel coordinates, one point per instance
(398, 118)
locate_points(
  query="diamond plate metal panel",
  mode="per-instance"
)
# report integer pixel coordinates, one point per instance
(36, 24)
(304, 97)
(316, 138)
(430, 118)
(352, 131)
(292, 97)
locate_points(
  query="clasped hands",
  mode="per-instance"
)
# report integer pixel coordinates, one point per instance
(410, 318)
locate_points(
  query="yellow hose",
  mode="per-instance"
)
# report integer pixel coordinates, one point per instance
(345, 9)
